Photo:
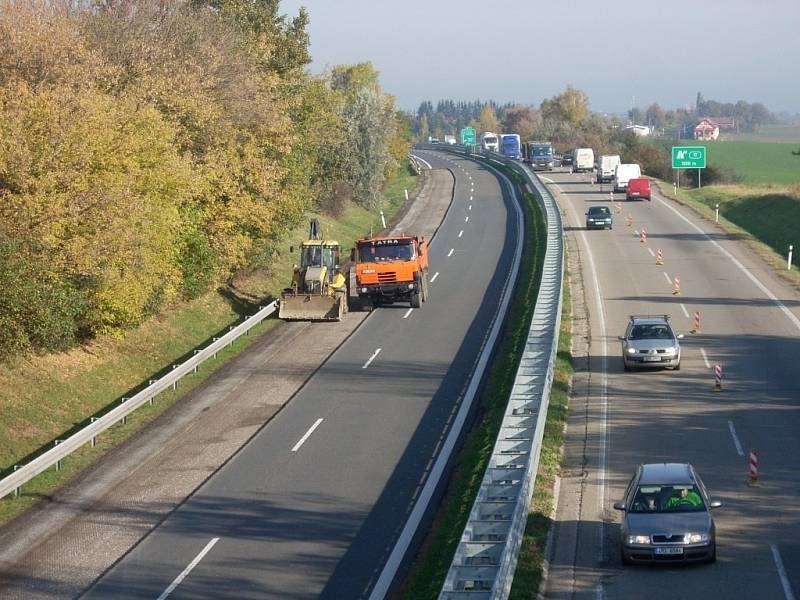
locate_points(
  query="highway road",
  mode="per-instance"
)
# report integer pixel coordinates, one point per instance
(312, 505)
(750, 324)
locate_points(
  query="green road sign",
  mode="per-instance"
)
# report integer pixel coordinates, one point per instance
(468, 136)
(688, 157)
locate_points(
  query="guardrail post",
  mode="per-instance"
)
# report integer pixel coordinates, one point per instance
(214, 340)
(125, 418)
(94, 437)
(58, 462)
(174, 383)
(18, 489)
(195, 367)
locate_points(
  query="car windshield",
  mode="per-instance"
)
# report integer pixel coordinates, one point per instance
(386, 253)
(599, 210)
(542, 151)
(667, 499)
(490, 140)
(649, 331)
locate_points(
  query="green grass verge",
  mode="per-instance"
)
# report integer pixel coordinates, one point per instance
(528, 576)
(46, 398)
(429, 569)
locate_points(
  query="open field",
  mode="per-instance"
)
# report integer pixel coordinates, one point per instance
(757, 163)
(771, 133)
(44, 398)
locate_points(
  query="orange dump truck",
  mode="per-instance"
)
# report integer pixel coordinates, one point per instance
(391, 269)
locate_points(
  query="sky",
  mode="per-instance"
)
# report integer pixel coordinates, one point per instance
(620, 52)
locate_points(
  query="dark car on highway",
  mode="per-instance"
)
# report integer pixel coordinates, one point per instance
(566, 160)
(666, 516)
(599, 217)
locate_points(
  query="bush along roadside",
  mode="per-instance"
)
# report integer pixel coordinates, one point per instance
(427, 572)
(91, 381)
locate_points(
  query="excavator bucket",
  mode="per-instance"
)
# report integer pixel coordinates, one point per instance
(311, 307)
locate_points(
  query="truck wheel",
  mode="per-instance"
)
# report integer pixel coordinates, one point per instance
(426, 293)
(366, 305)
(416, 302)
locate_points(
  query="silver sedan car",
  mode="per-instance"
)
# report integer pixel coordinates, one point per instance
(649, 341)
(667, 516)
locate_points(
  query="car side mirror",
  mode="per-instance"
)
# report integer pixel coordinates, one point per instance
(714, 504)
(619, 505)
(621, 338)
(680, 336)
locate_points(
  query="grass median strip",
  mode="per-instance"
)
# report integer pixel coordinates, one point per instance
(429, 569)
(528, 576)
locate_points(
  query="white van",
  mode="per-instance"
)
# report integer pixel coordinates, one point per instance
(582, 160)
(606, 165)
(623, 174)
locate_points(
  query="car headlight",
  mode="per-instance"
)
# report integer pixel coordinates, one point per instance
(631, 350)
(695, 538)
(638, 539)
(672, 350)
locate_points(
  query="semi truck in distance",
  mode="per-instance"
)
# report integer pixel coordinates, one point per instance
(539, 155)
(510, 146)
(391, 269)
(582, 160)
(449, 139)
(606, 165)
(490, 141)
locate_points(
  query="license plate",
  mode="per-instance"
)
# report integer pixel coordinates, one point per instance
(669, 550)
(634, 193)
(652, 359)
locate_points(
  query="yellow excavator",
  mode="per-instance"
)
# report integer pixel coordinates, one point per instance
(319, 289)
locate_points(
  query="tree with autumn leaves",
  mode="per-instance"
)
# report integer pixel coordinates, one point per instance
(149, 150)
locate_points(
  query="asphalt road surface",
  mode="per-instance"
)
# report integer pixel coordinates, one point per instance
(750, 325)
(311, 507)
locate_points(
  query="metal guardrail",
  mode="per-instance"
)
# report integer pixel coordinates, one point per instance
(63, 448)
(486, 557)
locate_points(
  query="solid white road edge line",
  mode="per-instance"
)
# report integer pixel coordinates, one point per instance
(371, 358)
(408, 312)
(735, 438)
(685, 312)
(435, 275)
(601, 474)
(451, 252)
(787, 588)
(423, 160)
(736, 262)
(307, 435)
(705, 358)
(188, 569)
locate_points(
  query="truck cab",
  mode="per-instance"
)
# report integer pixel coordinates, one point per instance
(390, 269)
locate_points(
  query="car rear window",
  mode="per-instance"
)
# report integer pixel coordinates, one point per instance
(599, 210)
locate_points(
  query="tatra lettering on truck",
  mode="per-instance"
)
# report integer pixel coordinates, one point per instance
(390, 270)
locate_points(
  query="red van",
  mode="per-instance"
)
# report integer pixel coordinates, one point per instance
(638, 188)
